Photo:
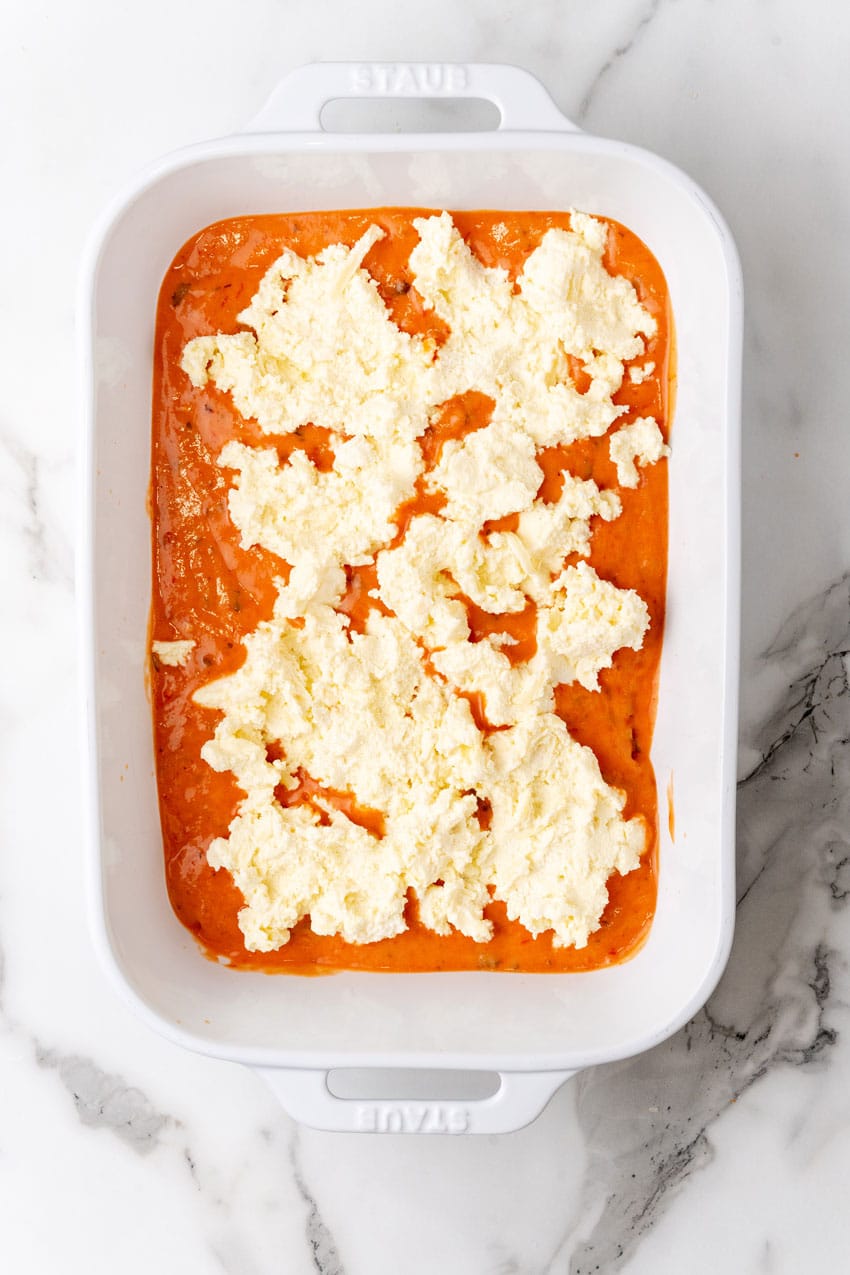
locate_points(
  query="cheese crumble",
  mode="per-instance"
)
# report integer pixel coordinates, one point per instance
(174, 654)
(385, 714)
(637, 375)
(641, 441)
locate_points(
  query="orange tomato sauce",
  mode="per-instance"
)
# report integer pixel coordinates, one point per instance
(208, 588)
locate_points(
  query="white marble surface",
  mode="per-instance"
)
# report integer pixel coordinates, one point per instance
(726, 1148)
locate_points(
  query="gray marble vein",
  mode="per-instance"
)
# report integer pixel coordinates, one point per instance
(621, 51)
(101, 1099)
(26, 463)
(323, 1250)
(647, 1121)
(47, 554)
(106, 1101)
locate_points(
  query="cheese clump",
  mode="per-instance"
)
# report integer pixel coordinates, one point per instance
(384, 714)
(359, 712)
(175, 653)
(643, 441)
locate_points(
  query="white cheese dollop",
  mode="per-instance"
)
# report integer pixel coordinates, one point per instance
(637, 375)
(175, 653)
(643, 441)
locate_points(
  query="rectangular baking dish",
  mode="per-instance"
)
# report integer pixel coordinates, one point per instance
(532, 1029)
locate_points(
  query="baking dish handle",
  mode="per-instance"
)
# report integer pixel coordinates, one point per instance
(296, 103)
(520, 1098)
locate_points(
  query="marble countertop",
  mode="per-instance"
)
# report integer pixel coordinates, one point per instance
(727, 1146)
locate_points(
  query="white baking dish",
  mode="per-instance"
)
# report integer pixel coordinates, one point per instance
(534, 1030)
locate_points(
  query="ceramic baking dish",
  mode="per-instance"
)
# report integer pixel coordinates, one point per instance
(534, 1030)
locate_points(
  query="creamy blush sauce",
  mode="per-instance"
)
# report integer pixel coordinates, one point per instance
(208, 588)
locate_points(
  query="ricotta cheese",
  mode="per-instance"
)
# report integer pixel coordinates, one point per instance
(358, 712)
(584, 623)
(499, 572)
(317, 521)
(643, 441)
(557, 830)
(384, 714)
(324, 349)
(637, 375)
(510, 691)
(548, 533)
(414, 582)
(490, 473)
(512, 345)
(173, 653)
